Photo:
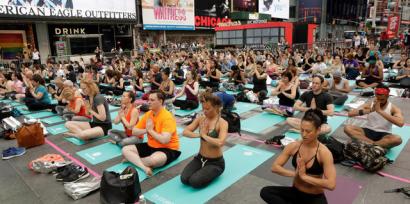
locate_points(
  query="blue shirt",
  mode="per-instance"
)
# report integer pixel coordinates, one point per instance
(227, 99)
(45, 98)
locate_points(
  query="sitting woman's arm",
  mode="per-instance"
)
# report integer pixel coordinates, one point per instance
(78, 104)
(38, 95)
(133, 121)
(329, 176)
(189, 130)
(292, 94)
(276, 91)
(277, 166)
(100, 114)
(121, 84)
(223, 132)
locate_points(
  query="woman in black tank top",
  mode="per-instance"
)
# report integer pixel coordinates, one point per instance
(287, 93)
(314, 169)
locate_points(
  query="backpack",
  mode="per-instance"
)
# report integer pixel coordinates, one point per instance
(335, 147)
(371, 157)
(234, 121)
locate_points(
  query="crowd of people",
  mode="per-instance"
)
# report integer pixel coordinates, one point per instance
(161, 79)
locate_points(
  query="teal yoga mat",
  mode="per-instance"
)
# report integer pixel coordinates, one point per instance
(352, 82)
(188, 148)
(100, 153)
(232, 92)
(335, 122)
(293, 135)
(242, 107)
(14, 103)
(239, 161)
(23, 110)
(79, 142)
(249, 86)
(349, 100)
(39, 115)
(183, 113)
(57, 129)
(111, 107)
(404, 133)
(53, 120)
(261, 122)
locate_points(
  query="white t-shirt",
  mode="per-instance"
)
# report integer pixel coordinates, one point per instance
(36, 55)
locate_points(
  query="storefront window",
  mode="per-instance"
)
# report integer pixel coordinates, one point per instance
(83, 45)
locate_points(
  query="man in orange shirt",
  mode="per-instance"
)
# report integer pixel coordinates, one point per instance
(163, 142)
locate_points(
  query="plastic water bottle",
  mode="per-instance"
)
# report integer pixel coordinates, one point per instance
(142, 200)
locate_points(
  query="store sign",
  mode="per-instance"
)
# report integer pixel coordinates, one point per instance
(232, 23)
(168, 15)
(256, 21)
(276, 8)
(209, 22)
(95, 9)
(69, 31)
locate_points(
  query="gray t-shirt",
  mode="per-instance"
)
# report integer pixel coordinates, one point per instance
(98, 100)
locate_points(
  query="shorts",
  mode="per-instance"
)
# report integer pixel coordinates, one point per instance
(104, 126)
(373, 135)
(144, 150)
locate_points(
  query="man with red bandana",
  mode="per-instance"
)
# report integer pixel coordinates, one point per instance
(381, 115)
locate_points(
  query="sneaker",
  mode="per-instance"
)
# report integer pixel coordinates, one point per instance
(77, 174)
(13, 152)
(64, 171)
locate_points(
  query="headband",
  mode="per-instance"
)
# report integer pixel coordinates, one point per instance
(382, 91)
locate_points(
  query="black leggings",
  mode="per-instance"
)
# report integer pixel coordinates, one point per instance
(202, 171)
(290, 195)
(186, 104)
(35, 105)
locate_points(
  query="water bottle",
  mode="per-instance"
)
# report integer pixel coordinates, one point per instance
(142, 200)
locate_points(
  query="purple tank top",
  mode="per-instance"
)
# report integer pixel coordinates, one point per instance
(189, 95)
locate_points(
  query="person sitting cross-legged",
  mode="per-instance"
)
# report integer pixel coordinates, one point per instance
(381, 115)
(128, 116)
(163, 143)
(315, 99)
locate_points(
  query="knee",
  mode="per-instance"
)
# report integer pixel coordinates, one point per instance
(326, 129)
(68, 124)
(198, 182)
(126, 149)
(348, 128)
(397, 141)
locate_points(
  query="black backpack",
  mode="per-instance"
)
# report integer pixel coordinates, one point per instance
(234, 121)
(335, 147)
(371, 157)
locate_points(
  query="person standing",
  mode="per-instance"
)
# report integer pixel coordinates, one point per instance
(35, 56)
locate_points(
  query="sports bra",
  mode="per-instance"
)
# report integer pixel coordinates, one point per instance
(213, 133)
(315, 169)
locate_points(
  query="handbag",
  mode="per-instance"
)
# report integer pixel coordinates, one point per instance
(30, 135)
(120, 188)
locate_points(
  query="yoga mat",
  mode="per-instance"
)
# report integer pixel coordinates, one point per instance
(404, 133)
(346, 191)
(100, 153)
(53, 120)
(57, 129)
(261, 122)
(111, 107)
(352, 82)
(242, 107)
(23, 109)
(335, 122)
(14, 103)
(249, 86)
(293, 135)
(183, 113)
(188, 148)
(239, 161)
(78, 141)
(349, 100)
(232, 92)
(40, 115)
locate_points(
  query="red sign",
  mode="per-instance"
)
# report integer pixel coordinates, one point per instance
(393, 26)
(209, 22)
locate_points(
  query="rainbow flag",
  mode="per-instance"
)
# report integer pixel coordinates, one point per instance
(11, 44)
